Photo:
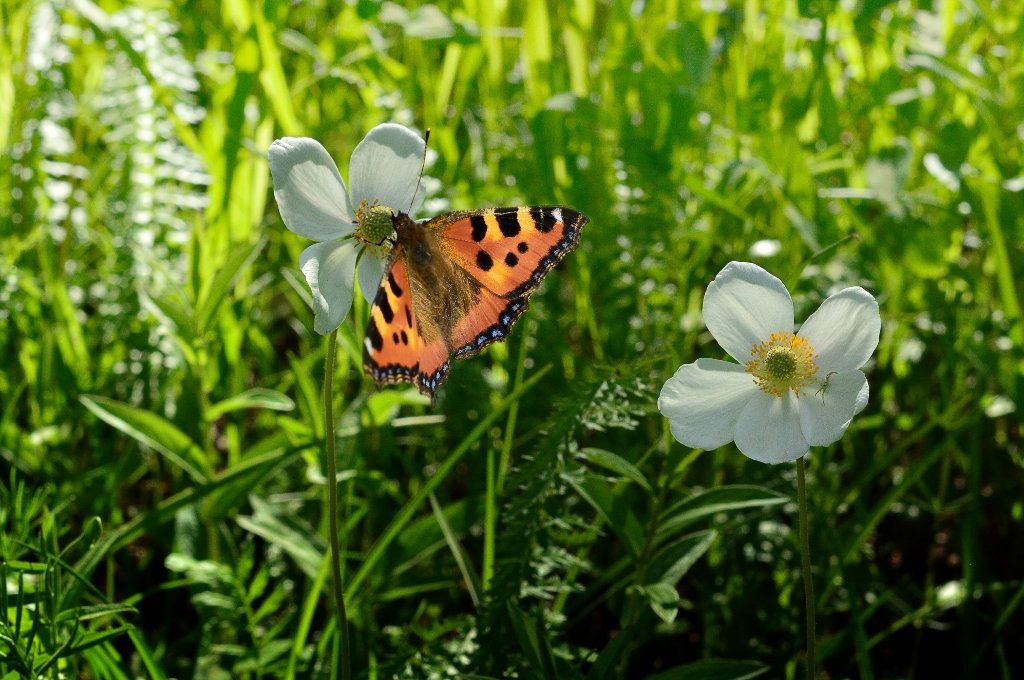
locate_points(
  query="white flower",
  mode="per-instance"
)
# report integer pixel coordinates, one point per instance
(384, 171)
(790, 391)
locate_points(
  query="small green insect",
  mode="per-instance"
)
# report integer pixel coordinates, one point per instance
(825, 385)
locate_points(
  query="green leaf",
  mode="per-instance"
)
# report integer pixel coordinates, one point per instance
(426, 22)
(664, 600)
(213, 295)
(713, 501)
(92, 639)
(146, 655)
(232, 495)
(265, 523)
(672, 562)
(93, 612)
(458, 552)
(153, 431)
(255, 398)
(614, 510)
(385, 405)
(713, 669)
(272, 76)
(307, 394)
(533, 641)
(172, 311)
(616, 464)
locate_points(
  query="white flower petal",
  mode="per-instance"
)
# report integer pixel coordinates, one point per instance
(309, 190)
(330, 271)
(862, 398)
(743, 306)
(844, 330)
(703, 400)
(825, 415)
(385, 167)
(768, 429)
(370, 272)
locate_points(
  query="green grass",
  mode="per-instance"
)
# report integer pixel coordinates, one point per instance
(161, 430)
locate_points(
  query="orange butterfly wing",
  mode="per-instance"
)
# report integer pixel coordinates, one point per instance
(394, 350)
(500, 256)
(509, 250)
(489, 320)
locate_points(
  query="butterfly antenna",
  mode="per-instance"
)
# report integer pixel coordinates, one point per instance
(423, 164)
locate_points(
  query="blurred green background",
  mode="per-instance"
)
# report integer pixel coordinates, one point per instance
(161, 434)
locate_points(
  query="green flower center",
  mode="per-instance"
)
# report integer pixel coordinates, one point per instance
(374, 223)
(781, 363)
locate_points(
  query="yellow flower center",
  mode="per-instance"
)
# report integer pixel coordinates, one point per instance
(374, 223)
(782, 362)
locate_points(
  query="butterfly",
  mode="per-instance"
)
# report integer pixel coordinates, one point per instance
(455, 283)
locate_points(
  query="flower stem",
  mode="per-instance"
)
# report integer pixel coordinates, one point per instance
(805, 559)
(332, 507)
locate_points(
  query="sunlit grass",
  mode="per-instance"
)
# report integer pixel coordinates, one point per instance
(159, 371)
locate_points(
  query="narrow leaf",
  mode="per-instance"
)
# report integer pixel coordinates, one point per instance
(614, 510)
(713, 501)
(93, 612)
(213, 295)
(153, 431)
(458, 552)
(296, 543)
(616, 464)
(669, 565)
(254, 398)
(533, 641)
(92, 639)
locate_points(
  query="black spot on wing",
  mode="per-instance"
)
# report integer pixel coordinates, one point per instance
(394, 285)
(373, 333)
(479, 227)
(522, 247)
(543, 219)
(508, 221)
(408, 315)
(511, 260)
(484, 261)
(381, 302)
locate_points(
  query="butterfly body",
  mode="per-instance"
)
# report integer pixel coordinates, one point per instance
(455, 283)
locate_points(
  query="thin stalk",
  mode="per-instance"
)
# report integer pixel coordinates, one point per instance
(805, 559)
(490, 520)
(497, 468)
(332, 508)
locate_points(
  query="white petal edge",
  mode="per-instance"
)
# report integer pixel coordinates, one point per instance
(768, 429)
(862, 398)
(370, 273)
(743, 306)
(703, 401)
(309, 190)
(844, 330)
(825, 415)
(385, 167)
(330, 272)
